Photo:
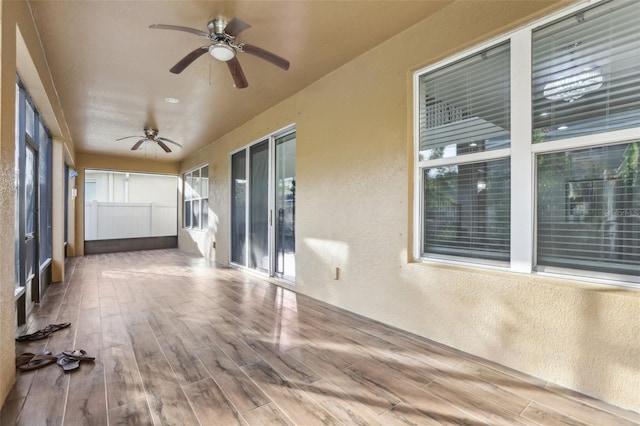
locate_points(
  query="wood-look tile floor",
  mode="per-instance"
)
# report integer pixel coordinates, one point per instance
(181, 342)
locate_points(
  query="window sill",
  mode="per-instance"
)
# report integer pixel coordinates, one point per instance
(195, 230)
(612, 284)
(19, 291)
(622, 282)
(464, 262)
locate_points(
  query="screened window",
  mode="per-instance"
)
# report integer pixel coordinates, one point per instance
(45, 183)
(464, 136)
(124, 205)
(196, 198)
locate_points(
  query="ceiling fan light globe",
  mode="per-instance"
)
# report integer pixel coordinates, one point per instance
(222, 52)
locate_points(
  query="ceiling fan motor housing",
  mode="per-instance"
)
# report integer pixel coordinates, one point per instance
(217, 26)
(151, 133)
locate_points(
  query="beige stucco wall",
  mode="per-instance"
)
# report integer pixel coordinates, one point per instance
(7, 194)
(354, 211)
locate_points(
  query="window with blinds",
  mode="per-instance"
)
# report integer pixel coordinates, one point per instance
(465, 106)
(467, 210)
(575, 170)
(464, 116)
(589, 209)
(585, 81)
(585, 72)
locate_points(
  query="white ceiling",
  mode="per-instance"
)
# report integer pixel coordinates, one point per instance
(111, 71)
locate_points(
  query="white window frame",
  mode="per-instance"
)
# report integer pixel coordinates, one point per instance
(201, 197)
(523, 155)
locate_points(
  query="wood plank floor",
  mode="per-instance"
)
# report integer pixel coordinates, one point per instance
(180, 342)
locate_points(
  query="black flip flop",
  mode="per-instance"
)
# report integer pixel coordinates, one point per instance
(37, 335)
(37, 361)
(42, 334)
(79, 354)
(55, 327)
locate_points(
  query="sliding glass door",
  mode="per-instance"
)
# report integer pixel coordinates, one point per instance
(263, 206)
(239, 208)
(259, 204)
(285, 206)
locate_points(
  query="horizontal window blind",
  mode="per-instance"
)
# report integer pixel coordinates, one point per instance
(586, 73)
(465, 106)
(467, 210)
(588, 209)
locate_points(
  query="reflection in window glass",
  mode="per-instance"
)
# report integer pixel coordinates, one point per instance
(189, 191)
(187, 214)
(467, 210)
(589, 209)
(205, 213)
(238, 207)
(204, 182)
(196, 197)
(195, 178)
(195, 214)
(465, 106)
(45, 183)
(29, 119)
(30, 191)
(585, 73)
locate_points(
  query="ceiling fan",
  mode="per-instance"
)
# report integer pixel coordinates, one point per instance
(151, 135)
(224, 48)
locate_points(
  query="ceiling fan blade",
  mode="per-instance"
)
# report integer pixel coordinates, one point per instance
(179, 28)
(170, 141)
(267, 56)
(187, 60)
(238, 75)
(235, 27)
(137, 144)
(163, 146)
(128, 137)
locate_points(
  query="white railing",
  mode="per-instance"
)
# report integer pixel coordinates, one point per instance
(106, 221)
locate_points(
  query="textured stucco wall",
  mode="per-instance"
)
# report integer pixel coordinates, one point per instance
(7, 195)
(354, 211)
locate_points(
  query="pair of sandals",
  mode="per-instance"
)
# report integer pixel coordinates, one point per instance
(43, 333)
(68, 360)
